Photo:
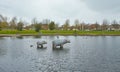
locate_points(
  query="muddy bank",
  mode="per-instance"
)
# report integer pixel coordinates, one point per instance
(17, 35)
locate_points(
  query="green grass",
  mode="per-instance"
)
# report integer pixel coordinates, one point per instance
(61, 32)
(57, 32)
(99, 32)
(18, 32)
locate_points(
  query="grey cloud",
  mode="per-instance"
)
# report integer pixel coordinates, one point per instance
(107, 6)
(59, 10)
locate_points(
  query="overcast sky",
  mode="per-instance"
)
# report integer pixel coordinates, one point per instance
(88, 11)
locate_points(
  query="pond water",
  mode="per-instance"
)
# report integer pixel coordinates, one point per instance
(83, 54)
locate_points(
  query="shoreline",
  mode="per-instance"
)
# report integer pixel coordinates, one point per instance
(18, 35)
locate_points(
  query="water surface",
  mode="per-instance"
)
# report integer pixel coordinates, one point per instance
(83, 54)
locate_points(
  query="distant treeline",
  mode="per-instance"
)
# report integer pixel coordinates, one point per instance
(15, 24)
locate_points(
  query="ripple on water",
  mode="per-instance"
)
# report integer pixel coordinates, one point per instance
(91, 54)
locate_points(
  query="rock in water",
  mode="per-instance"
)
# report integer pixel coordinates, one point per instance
(59, 42)
(40, 44)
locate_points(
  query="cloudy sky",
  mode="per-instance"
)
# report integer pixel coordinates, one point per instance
(88, 11)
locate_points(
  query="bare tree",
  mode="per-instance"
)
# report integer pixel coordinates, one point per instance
(104, 26)
(0, 25)
(37, 26)
(66, 25)
(20, 26)
(46, 21)
(115, 25)
(76, 24)
(57, 26)
(13, 23)
(34, 22)
(4, 24)
(82, 26)
(97, 26)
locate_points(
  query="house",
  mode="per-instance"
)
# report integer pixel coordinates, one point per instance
(45, 26)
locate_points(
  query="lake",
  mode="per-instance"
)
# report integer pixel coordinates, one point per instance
(83, 54)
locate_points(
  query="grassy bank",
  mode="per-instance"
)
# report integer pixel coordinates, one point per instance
(59, 32)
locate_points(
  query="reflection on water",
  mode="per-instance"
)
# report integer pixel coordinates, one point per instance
(83, 54)
(39, 48)
(60, 50)
(19, 37)
(37, 36)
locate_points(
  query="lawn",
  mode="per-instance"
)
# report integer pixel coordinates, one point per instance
(60, 32)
